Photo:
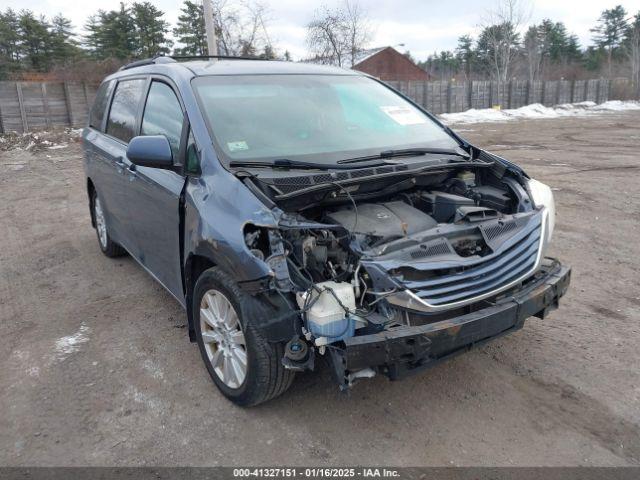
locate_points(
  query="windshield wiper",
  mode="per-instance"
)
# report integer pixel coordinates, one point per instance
(287, 164)
(406, 152)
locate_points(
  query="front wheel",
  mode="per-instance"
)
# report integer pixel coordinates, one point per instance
(244, 366)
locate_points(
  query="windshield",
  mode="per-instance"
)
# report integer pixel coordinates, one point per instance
(319, 118)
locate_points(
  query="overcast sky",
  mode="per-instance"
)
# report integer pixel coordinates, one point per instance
(424, 26)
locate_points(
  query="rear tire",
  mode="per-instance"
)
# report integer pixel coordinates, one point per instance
(236, 338)
(107, 246)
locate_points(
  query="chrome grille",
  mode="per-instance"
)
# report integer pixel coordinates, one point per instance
(463, 284)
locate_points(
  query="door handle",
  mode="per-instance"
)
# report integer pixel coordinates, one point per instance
(132, 171)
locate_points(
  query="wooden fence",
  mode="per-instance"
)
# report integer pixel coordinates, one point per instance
(450, 97)
(27, 106)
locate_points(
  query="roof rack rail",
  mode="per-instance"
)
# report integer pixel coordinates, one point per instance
(174, 58)
(148, 61)
(204, 57)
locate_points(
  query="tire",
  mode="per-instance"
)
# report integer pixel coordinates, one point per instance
(264, 376)
(110, 248)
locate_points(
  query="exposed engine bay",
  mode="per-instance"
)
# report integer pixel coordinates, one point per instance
(354, 259)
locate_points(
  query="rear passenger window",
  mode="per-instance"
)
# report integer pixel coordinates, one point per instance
(100, 105)
(163, 115)
(124, 108)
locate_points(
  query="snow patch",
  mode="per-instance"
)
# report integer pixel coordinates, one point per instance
(71, 343)
(536, 110)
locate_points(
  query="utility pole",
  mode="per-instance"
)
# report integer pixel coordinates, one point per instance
(212, 45)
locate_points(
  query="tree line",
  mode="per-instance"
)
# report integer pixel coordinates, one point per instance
(508, 46)
(33, 43)
(546, 50)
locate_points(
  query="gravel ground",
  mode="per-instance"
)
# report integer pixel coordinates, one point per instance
(97, 368)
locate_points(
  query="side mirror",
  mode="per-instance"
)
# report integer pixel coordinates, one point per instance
(150, 151)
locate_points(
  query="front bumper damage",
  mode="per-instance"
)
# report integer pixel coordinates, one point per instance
(405, 350)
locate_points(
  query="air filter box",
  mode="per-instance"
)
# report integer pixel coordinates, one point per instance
(443, 206)
(493, 197)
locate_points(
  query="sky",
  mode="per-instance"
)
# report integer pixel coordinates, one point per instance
(423, 26)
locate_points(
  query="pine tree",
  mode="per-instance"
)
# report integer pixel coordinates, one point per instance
(150, 30)
(497, 46)
(35, 41)
(609, 32)
(465, 55)
(533, 51)
(268, 53)
(63, 43)
(9, 43)
(112, 34)
(190, 31)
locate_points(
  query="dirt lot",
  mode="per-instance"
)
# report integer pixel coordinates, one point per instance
(97, 369)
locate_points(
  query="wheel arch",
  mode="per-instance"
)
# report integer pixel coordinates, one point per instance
(195, 265)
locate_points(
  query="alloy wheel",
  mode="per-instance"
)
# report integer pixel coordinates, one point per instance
(223, 338)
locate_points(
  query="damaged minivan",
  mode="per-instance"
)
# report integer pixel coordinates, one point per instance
(303, 213)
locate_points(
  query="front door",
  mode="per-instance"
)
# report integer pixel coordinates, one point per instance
(155, 194)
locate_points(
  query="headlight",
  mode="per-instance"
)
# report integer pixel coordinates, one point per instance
(542, 196)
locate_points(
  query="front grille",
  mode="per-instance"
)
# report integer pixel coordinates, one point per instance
(464, 283)
(440, 248)
(499, 229)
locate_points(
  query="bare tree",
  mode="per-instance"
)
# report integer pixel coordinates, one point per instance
(241, 28)
(338, 36)
(501, 36)
(632, 49)
(358, 28)
(533, 52)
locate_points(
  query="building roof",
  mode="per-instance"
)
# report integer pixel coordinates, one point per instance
(390, 65)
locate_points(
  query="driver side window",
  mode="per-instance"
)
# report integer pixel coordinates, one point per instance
(163, 115)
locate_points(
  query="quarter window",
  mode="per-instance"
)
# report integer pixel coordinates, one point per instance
(193, 159)
(163, 115)
(124, 109)
(100, 105)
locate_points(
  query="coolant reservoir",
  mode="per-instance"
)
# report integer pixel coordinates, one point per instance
(469, 178)
(326, 318)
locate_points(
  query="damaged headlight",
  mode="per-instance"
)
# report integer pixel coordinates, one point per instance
(542, 196)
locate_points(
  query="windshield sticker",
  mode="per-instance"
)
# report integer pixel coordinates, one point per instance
(237, 146)
(404, 115)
